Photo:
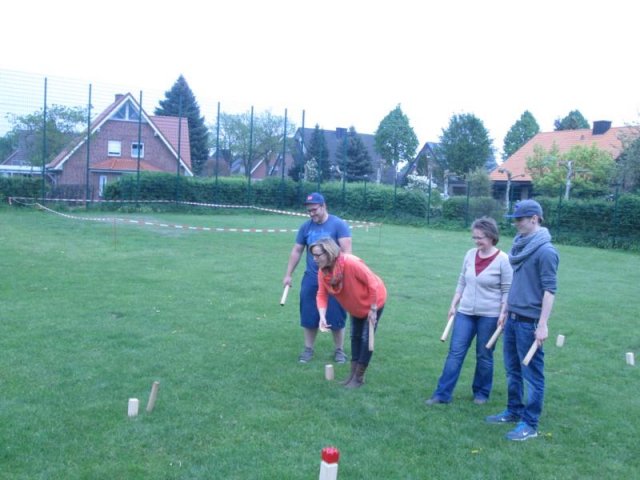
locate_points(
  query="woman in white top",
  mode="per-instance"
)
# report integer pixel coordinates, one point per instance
(480, 299)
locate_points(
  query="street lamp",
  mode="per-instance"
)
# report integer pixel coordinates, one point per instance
(510, 177)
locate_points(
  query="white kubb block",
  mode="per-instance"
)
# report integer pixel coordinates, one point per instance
(133, 407)
(328, 372)
(630, 359)
(560, 341)
(328, 471)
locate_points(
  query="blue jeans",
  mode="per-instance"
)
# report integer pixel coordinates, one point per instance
(465, 327)
(518, 337)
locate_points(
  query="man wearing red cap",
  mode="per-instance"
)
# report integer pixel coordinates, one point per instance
(320, 225)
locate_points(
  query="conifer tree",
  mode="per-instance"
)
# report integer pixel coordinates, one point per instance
(179, 100)
(358, 162)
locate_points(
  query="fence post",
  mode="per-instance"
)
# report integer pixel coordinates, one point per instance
(177, 196)
(139, 152)
(249, 162)
(215, 193)
(558, 214)
(86, 186)
(466, 210)
(284, 163)
(614, 219)
(429, 201)
(44, 141)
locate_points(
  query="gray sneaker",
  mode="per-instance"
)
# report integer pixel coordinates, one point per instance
(306, 355)
(340, 356)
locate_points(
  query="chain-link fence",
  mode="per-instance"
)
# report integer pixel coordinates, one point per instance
(145, 159)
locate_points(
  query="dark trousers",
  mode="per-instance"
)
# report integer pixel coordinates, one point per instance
(360, 338)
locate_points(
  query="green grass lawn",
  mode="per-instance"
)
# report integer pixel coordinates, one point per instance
(91, 313)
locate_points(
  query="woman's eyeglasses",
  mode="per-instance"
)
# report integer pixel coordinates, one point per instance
(317, 255)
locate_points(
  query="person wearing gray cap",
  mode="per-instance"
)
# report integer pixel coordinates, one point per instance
(535, 262)
(320, 225)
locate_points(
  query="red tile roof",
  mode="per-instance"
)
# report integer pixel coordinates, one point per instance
(168, 126)
(609, 141)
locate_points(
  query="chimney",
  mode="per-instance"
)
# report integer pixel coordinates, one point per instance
(119, 96)
(600, 127)
(340, 132)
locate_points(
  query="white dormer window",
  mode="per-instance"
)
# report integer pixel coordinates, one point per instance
(127, 112)
(114, 148)
(135, 148)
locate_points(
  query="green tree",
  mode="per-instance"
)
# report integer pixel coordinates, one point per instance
(465, 144)
(573, 121)
(63, 124)
(235, 130)
(268, 136)
(8, 144)
(264, 142)
(520, 133)
(318, 153)
(179, 100)
(583, 172)
(479, 183)
(395, 140)
(628, 163)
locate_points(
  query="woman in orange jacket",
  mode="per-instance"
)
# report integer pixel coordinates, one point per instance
(360, 292)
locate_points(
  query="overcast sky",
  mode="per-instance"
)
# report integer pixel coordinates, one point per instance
(346, 62)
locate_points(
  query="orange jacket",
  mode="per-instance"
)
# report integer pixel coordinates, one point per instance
(355, 287)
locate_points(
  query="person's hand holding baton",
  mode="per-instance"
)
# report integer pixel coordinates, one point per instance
(541, 335)
(447, 328)
(499, 328)
(287, 285)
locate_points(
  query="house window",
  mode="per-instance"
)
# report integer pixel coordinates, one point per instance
(127, 113)
(114, 148)
(102, 184)
(135, 147)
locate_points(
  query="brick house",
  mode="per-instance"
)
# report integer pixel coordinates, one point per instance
(114, 148)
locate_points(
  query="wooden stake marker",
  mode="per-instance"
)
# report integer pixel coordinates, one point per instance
(153, 396)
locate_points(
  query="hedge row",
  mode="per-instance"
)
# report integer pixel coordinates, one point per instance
(603, 223)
